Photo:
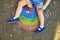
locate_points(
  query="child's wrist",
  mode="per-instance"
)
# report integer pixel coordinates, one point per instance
(43, 8)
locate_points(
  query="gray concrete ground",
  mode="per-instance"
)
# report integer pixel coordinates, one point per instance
(12, 32)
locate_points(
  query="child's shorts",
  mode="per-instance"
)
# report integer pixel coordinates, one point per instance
(37, 2)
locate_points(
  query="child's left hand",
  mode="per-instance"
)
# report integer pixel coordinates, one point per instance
(43, 8)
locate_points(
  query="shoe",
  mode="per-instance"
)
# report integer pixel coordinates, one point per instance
(12, 20)
(40, 29)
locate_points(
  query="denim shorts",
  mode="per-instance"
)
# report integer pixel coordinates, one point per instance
(37, 2)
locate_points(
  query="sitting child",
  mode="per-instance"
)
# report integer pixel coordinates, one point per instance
(40, 6)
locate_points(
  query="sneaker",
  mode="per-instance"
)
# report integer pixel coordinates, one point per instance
(40, 29)
(12, 20)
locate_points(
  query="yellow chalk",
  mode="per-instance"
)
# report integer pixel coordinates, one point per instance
(57, 32)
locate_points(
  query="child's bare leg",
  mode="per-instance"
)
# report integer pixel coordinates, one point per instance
(18, 12)
(19, 8)
(41, 16)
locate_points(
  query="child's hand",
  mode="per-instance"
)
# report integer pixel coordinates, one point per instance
(30, 5)
(43, 8)
(46, 4)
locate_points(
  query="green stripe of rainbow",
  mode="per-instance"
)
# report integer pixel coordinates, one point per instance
(29, 21)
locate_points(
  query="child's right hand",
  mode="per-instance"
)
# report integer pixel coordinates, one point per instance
(30, 5)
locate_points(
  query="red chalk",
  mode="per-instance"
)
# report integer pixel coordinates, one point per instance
(28, 28)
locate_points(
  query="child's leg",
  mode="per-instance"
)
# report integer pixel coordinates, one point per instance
(19, 8)
(41, 16)
(18, 11)
(41, 19)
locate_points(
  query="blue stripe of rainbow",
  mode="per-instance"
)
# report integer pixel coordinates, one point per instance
(29, 19)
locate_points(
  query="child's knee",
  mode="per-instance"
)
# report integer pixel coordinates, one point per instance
(21, 3)
(40, 12)
(39, 7)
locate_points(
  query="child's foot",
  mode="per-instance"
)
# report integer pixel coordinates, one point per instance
(40, 29)
(12, 20)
